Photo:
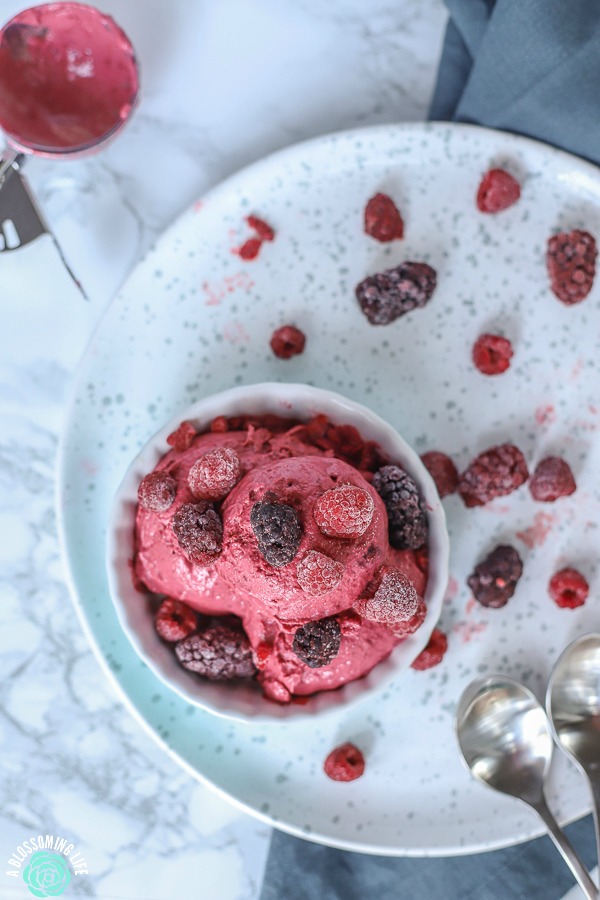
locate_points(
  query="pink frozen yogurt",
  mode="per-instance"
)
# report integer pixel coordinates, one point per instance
(295, 544)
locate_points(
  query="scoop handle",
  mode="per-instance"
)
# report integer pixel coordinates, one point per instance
(566, 850)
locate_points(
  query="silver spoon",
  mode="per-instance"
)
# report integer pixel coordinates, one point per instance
(505, 739)
(573, 704)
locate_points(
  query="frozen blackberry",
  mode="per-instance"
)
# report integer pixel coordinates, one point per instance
(494, 580)
(387, 295)
(407, 519)
(317, 643)
(278, 531)
(494, 473)
(220, 651)
(571, 264)
(199, 531)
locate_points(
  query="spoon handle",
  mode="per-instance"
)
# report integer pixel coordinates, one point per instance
(568, 853)
(593, 775)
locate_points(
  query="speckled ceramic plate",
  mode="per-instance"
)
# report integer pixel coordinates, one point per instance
(195, 318)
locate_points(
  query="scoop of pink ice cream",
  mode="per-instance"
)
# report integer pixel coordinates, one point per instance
(323, 579)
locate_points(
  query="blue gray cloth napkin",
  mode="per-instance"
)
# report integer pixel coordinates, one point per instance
(531, 67)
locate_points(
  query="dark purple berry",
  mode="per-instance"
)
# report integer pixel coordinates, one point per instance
(199, 531)
(278, 531)
(220, 651)
(494, 580)
(317, 643)
(387, 295)
(407, 519)
(156, 492)
(571, 262)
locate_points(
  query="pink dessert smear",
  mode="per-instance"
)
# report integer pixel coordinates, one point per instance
(68, 78)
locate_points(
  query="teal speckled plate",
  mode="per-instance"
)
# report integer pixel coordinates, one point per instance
(194, 318)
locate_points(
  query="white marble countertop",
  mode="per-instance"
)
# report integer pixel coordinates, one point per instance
(222, 85)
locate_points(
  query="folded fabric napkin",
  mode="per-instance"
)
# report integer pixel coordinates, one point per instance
(531, 67)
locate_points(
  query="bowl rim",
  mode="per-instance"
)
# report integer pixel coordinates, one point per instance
(245, 703)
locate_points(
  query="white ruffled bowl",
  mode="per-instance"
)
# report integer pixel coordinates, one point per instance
(244, 700)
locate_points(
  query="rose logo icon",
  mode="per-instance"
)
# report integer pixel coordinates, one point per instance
(47, 874)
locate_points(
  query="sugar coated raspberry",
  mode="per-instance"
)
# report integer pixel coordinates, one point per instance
(382, 219)
(345, 763)
(494, 580)
(317, 643)
(395, 603)
(157, 491)
(174, 620)
(552, 478)
(345, 511)
(568, 588)
(387, 295)
(571, 263)
(494, 473)
(277, 530)
(442, 470)
(492, 354)
(433, 653)
(220, 651)
(407, 519)
(497, 191)
(318, 574)
(287, 341)
(182, 438)
(199, 531)
(213, 475)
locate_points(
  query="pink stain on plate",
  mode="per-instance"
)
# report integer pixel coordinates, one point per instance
(451, 590)
(545, 415)
(536, 534)
(467, 630)
(197, 205)
(235, 333)
(471, 604)
(90, 467)
(577, 370)
(216, 291)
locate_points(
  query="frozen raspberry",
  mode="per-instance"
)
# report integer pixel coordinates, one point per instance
(174, 620)
(494, 580)
(387, 295)
(382, 219)
(551, 479)
(497, 191)
(433, 653)
(571, 263)
(492, 354)
(317, 643)
(407, 520)
(182, 438)
(219, 425)
(156, 492)
(344, 512)
(199, 531)
(318, 574)
(277, 530)
(395, 603)
(287, 341)
(345, 763)
(494, 473)
(215, 474)
(442, 470)
(263, 230)
(220, 651)
(568, 588)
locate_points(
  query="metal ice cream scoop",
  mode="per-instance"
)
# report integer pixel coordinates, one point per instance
(505, 739)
